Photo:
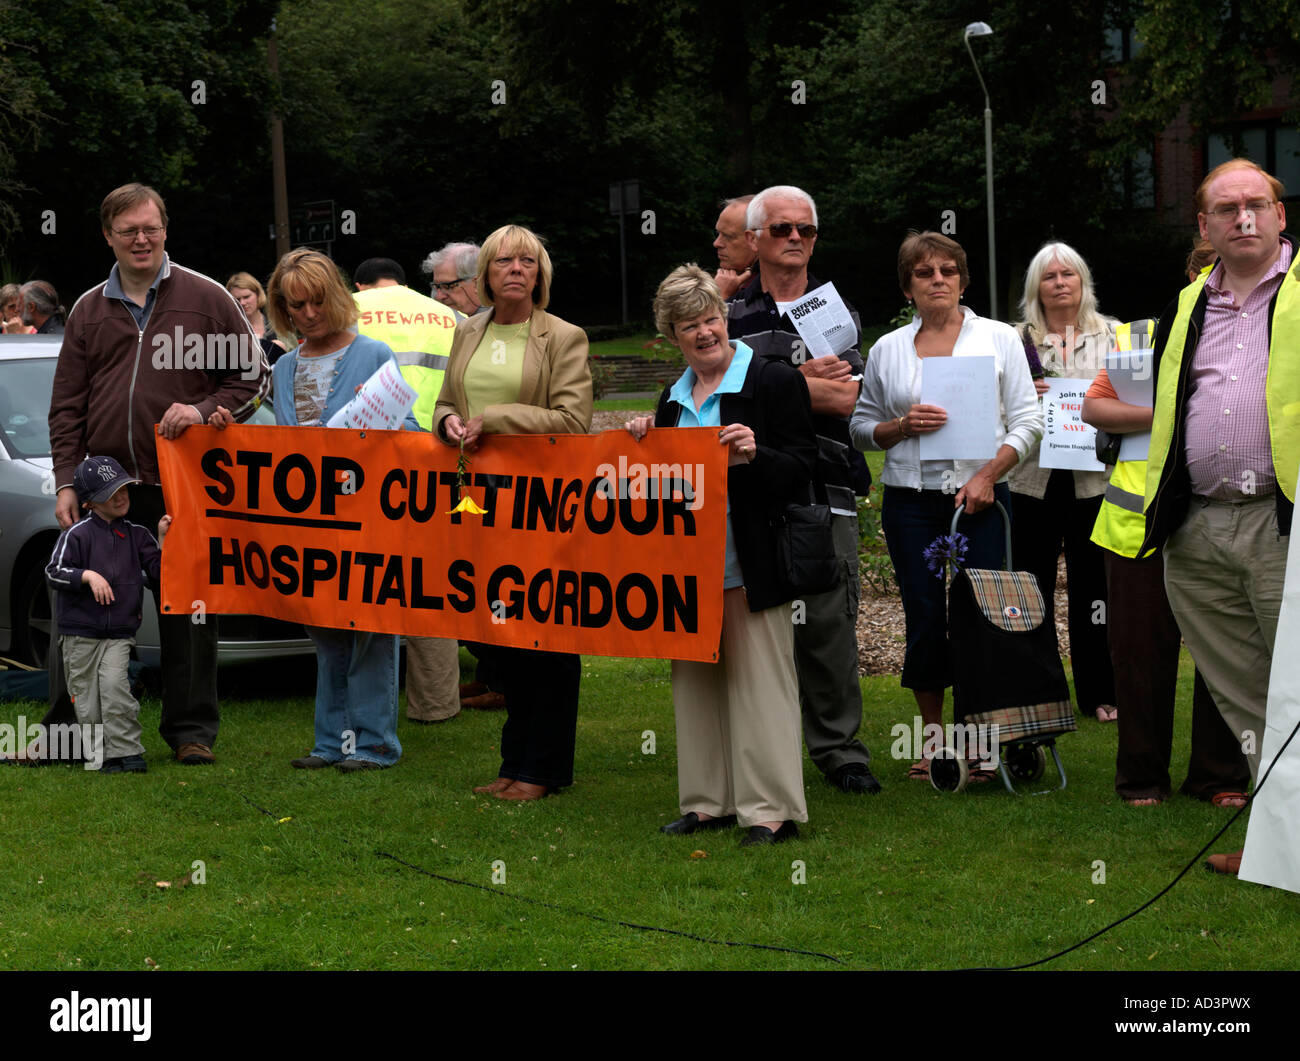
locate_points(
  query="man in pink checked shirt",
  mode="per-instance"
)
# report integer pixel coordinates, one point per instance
(1225, 446)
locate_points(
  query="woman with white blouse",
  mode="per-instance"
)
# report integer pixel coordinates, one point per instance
(921, 496)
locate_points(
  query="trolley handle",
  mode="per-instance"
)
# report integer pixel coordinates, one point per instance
(1006, 526)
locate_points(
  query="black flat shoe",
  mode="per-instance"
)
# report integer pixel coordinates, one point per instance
(690, 823)
(310, 762)
(854, 778)
(761, 834)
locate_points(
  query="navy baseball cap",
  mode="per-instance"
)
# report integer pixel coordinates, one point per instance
(99, 478)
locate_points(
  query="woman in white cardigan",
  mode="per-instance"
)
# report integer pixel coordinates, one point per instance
(920, 497)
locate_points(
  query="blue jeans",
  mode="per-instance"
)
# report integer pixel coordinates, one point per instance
(911, 520)
(356, 696)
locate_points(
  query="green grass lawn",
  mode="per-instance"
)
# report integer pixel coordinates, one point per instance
(298, 874)
(629, 404)
(631, 345)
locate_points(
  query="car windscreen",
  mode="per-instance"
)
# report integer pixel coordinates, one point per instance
(25, 388)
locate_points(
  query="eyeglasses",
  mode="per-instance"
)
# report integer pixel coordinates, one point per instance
(1230, 211)
(782, 229)
(447, 285)
(924, 272)
(149, 232)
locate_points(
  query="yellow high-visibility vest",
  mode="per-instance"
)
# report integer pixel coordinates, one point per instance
(1281, 388)
(1120, 525)
(419, 330)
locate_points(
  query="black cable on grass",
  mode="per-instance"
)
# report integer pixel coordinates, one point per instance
(1208, 844)
(248, 801)
(568, 909)
(817, 954)
(608, 920)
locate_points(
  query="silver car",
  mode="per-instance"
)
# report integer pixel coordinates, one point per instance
(28, 529)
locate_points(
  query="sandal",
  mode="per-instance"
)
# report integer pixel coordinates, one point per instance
(977, 775)
(1107, 713)
(920, 770)
(493, 787)
(1144, 801)
(1229, 799)
(523, 791)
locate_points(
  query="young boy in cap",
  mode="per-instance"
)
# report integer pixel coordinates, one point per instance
(97, 569)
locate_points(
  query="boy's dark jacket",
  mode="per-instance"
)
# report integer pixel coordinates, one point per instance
(125, 554)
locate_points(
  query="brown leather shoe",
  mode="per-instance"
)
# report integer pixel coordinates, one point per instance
(1229, 864)
(472, 689)
(486, 702)
(192, 753)
(523, 790)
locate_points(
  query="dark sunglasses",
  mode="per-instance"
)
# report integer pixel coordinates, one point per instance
(782, 229)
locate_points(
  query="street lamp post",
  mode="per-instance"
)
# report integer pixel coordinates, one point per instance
(983, 29)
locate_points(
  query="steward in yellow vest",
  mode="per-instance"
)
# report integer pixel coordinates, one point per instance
(1120, 525)
(1168, 487)
(418, 329)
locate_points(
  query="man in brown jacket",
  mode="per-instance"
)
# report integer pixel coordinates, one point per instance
(156, 344)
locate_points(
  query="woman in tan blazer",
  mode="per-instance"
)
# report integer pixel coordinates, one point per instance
(518, 370)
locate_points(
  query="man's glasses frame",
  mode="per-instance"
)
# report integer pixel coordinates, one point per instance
(448, 285)
(782, 230)
(1229, 212)
(150, 232)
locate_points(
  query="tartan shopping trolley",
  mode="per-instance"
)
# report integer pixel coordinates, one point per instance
(1007, 674)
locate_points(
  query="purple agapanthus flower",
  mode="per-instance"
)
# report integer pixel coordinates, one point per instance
(944, 550)
(1035, 364)
(1036, 369)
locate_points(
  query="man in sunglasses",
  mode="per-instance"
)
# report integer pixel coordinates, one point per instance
(781, 224)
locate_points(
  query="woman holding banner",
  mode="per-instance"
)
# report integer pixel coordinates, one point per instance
(1055, 509)
(922, 495)
(739, 756)
(519, 370)
(356, 673)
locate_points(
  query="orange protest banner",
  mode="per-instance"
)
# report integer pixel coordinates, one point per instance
(594, 544)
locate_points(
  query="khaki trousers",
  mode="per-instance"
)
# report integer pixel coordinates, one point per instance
(98, 680)
(1224, 571)
(432, 678)
(738, 730)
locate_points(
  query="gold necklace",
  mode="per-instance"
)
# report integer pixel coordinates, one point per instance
(518, 330)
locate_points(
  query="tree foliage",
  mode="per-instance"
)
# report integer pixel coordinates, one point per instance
(1219, 64)
(155, 91)
(435, 120)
